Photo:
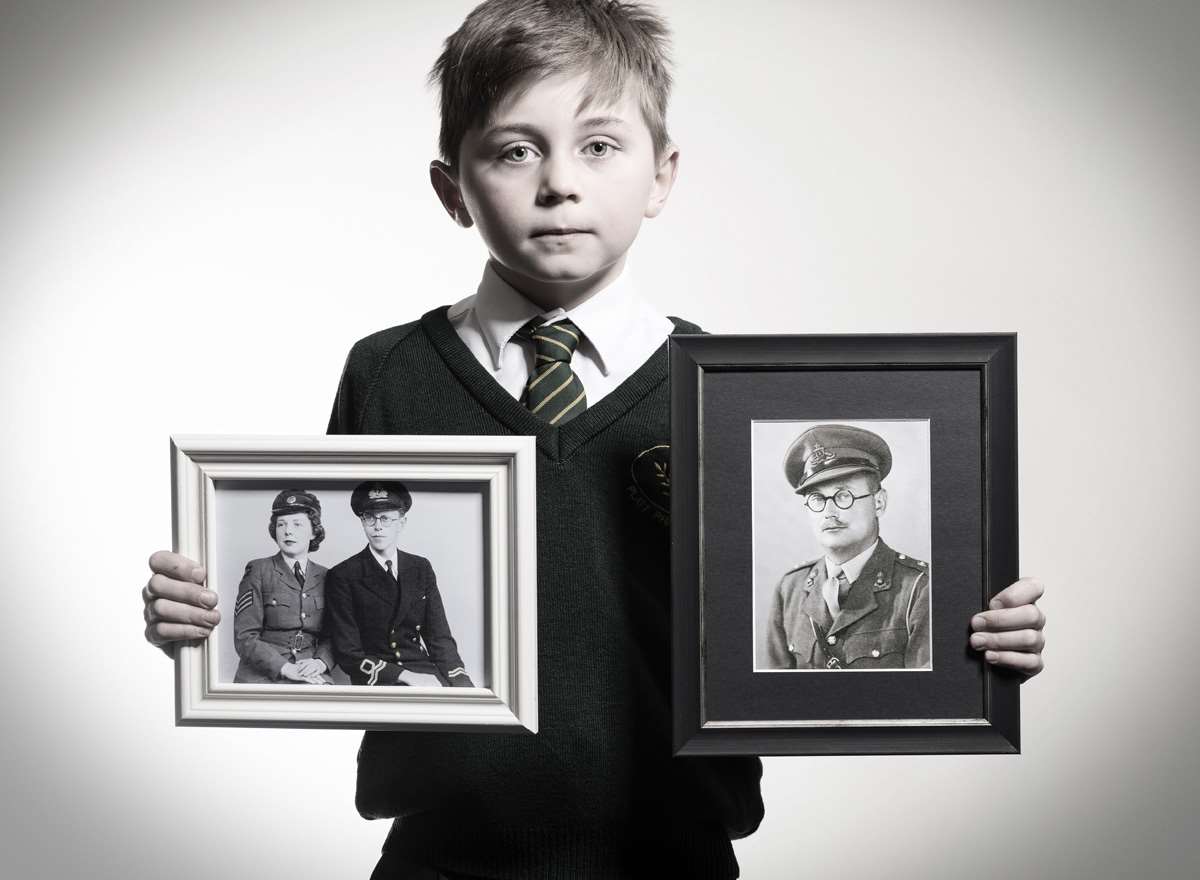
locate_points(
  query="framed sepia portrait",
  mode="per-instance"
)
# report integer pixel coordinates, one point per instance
(841, 507)
(384, 582)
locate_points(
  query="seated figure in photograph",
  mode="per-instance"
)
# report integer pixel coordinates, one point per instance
(861, 605)
(280, 603)
(386, 618)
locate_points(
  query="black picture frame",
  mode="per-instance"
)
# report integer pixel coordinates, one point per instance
(965, 386)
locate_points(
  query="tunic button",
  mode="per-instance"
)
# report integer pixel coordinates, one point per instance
(414, 638)
(305, 595)
(418, 627)
(274, 602)
(393, 646)
(832, 640)
(875, 653)
(304, 614)
(397, 655)
(791, 647)
(902, 556)
(422, 597)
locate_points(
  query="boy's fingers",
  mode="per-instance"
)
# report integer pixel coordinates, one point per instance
(162, 587)
(1024, 617)
(1026, 591)
(160, 633)
(175, 566)
(1030, 664)
(1028, 640)
(168, 611)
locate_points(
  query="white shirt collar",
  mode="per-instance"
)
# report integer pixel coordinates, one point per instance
(290, 564)
(852, 568)
(604, 318)
(393, 557)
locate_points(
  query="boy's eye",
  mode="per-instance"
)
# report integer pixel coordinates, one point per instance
(599, 149)
(519, 153)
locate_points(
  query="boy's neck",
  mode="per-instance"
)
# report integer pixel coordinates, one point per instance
(565, 295)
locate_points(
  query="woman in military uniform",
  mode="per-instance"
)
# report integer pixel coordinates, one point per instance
(281, 601)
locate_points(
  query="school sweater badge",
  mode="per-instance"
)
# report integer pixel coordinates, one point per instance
(650, 489)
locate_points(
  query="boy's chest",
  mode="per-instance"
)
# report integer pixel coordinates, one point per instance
(612, 461)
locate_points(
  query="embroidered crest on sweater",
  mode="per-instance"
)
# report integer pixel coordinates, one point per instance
(650, 489)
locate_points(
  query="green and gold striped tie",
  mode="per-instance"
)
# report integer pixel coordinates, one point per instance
(553, 392)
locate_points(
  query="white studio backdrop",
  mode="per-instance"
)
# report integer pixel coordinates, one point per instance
(203, 205)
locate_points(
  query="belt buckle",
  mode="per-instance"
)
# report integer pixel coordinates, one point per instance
(833, 663)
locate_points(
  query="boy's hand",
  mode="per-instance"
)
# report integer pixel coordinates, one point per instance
(177, 606)
(1010, 632)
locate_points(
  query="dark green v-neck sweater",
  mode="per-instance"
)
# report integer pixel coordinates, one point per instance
(595, 793)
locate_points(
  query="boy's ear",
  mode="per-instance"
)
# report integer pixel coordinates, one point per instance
(445, 184)
(664, 179)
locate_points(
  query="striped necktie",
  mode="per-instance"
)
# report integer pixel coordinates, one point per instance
(553, 392)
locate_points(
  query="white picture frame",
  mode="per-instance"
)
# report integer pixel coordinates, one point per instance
(502, 468)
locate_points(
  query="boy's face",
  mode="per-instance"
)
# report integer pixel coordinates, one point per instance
(558, 193)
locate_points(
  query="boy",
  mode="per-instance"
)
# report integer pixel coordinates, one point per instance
(554, 144)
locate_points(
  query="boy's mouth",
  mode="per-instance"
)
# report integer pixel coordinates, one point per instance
(558, 231)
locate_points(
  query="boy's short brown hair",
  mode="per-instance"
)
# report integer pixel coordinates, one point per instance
(503, 44)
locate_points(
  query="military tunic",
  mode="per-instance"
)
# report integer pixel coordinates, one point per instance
(883, 622)
(382, 625)
(277, 621)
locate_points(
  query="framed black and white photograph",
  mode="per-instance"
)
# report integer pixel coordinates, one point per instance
(833, 589)
(841, 506)
(364, 581)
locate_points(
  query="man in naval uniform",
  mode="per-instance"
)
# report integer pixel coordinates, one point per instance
(384, 610)
(861, 605)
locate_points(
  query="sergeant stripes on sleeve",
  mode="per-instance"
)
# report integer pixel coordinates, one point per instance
(244, 601)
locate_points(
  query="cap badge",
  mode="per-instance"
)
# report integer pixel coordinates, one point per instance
(291, 499)
(378, 494)
(820, 456)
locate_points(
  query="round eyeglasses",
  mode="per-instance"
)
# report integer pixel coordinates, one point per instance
(384, 519)
(843, 498)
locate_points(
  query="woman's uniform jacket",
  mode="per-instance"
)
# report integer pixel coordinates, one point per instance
(277, 621)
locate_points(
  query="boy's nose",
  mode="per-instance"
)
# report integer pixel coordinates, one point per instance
(558, 183)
